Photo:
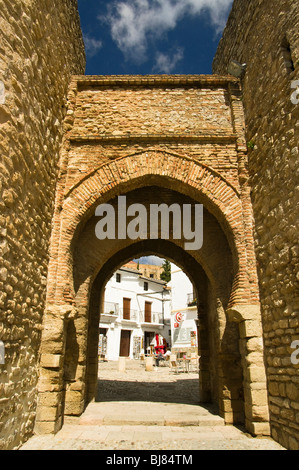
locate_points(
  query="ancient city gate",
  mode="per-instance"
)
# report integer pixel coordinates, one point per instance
(172, 139)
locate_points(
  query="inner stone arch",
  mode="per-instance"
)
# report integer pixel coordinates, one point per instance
(212, 270)
(211, 313)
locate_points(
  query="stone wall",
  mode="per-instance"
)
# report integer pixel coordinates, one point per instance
(265, 36)
(40, 48)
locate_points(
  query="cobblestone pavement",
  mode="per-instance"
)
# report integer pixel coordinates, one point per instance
(140, 410)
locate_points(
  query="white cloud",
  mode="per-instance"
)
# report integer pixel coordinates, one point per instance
(217, 10)
(92, 45)
(134, 22)
(153, 260)
(166, 63)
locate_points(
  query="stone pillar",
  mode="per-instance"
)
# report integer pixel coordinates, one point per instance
(49, 415)
(75, 366)
(254, 373)
(255, 381)
(149, 364)
(122, 364)
(231, 405)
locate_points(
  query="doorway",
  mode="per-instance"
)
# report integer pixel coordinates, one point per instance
(148, 342)
(125, 340)
(102, 343)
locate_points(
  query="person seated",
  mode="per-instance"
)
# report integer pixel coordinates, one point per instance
(159, 358)
(167, 354)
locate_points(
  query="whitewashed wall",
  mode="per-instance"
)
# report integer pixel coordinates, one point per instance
(181, 286)
(132, 287)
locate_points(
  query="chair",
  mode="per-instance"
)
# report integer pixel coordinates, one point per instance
(167, 361)
(164, 362)
(194, 361)
(142, 358)
(176, 364)
(173, 362)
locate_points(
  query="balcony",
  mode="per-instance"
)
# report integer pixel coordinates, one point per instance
(110, 313)
(191, 301)
(131, 315)
(111, 308)
(151, 318)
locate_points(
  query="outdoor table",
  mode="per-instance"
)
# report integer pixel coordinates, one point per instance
(185, 361)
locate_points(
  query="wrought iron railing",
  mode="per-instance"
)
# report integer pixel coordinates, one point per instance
(131, 314)
(153, 317)
(111, 308)
(191, 300)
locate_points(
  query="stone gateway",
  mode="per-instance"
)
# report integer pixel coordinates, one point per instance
(196, 155)
(71, 143)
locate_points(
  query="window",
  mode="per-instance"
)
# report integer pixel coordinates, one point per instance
(126, 308)
(145, 286)
(148, 312)
(151, 276)
(118, 277)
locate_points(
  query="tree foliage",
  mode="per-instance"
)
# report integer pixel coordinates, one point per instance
(166, 273)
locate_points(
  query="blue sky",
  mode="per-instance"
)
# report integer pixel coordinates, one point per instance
(152, 36)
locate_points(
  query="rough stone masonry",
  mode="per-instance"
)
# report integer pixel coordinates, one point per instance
(41, 47)
(265, 36)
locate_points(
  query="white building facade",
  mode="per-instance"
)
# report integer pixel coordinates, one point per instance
(135, 315)
(183, 312)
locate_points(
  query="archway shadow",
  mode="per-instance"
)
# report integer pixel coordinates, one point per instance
(182, 391)
(165, 387)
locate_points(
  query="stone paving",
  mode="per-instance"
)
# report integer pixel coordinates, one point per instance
(141, 410)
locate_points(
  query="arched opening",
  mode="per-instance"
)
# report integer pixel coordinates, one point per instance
(139, 299)
(218, 272)
(140, 357)
(212, 270)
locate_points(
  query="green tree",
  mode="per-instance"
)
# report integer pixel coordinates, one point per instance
(166, 273)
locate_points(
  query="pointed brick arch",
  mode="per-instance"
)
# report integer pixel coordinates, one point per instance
(137, 170)
(125, 171)
(147, 162)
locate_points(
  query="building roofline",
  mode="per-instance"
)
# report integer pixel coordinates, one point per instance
(211, 80)
(157, 281)
(135, 271)
(130, 270)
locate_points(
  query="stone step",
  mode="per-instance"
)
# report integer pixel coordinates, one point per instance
(148, 414)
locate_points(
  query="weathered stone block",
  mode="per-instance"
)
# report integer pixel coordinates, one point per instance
(50, 399)
(46, 413)
(256, 397)
(51, 361)
(258, 428)
(250, 328)
(255, 374)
